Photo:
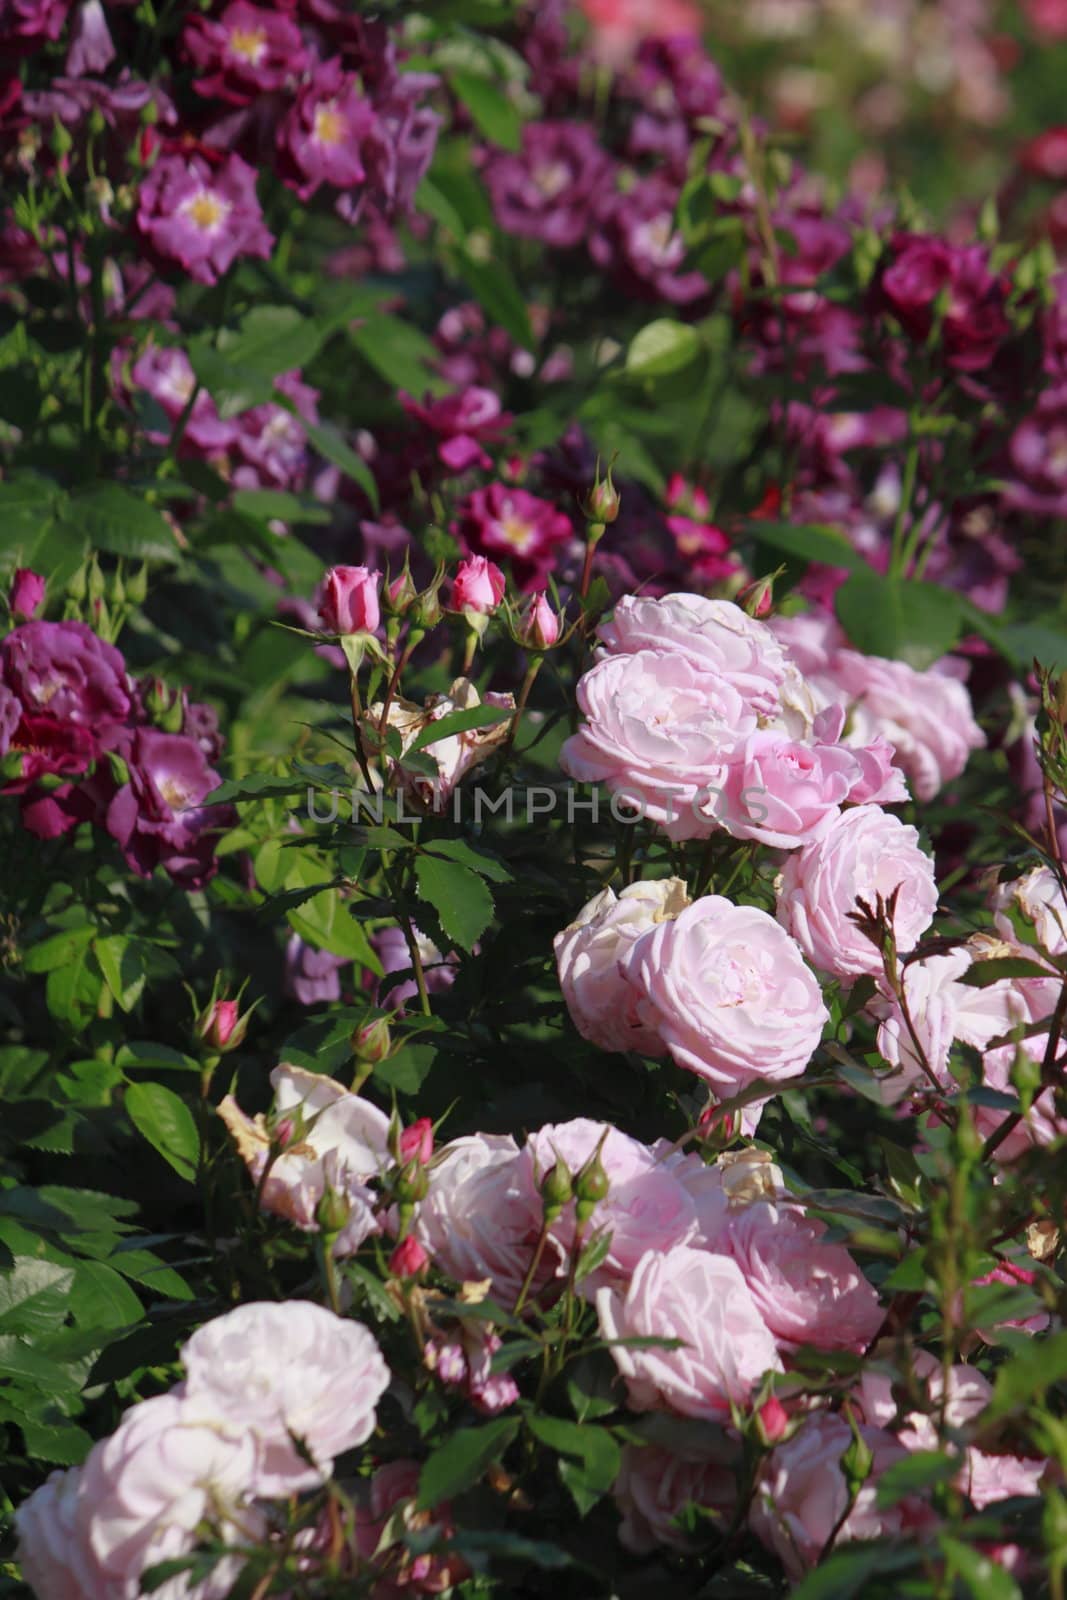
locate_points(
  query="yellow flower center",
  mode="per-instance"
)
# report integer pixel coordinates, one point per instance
(250, 44)
(330, 125)
(207, 210)
(516, 532)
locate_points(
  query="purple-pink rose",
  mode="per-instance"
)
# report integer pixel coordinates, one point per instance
(321, 138)
(245, 52)
(200, 217)
(701, 1300)
(866, 853)
(27, 594)
(511, 523)
(158, 817)
(727, 991)
(66, 671)
(546, 190)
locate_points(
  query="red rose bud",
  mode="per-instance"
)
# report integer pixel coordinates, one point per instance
(349, 602)
(27, 594)
(408, 1259)
(540, 626)
(772, 1419)
(757, 598)
(478, 587)
(416, 1142)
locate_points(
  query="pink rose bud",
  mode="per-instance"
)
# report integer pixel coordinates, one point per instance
(408, 1259)
(757, 598)
(27, 594)
(773, 1420)
(416, 1142)
(349, 601)
(540, 628)
(373, 1043)
(399, 593)
(604, 501)
(222, 1023)
(478, 586)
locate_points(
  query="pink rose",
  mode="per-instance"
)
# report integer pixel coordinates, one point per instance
(646, 1207)
(1041, 1125)
(865, 853)
(658, 732)
(284, 1370)
(331, 1139)
(802, 1494)
(27, 594)
(589, 955)
(728, 993)
(349, 602)
(925, 716)
(715, 636)
(785, 793)
(478, 586)
(541, 625)
(479, 1219)
(942, 1009)
(656, 1484)
(620, 25)
(703, 1301)
(1039, 900)
(808, 1291)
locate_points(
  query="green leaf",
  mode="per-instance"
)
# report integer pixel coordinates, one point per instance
(58, 950)
(597, 1454)
(983, 973)
(121, 522)
(922, 1469)
(1022, 1379)
(984, 1577)
(407, 1070)
(399, 353)
(61, 1444)
(277, 504)
(492, 112)
(1044, 641)
(662, 348)
(239, 370)
(458, 722)
(847, 1572)
(100, 1298)
(463, 904)
(459, 850)
(324, 921)
(461, 1461)
(905, 621)
(34, 1296)
(329, 443)
(167, 1123)
(257, 786)
(592, 1387)
(494, 287)
(124, 973)
(809, 542)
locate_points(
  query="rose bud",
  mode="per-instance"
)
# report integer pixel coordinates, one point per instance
(591, 1185)
(540, 626)
(478, 587)
(416, 1142)
(373, 1043)
(27, 594)
(408, 1259)
(399, 594)
(349, 601)
(772, 1420)
(556, 1190)
(603, 501)
(758, 597)
(221, 1026)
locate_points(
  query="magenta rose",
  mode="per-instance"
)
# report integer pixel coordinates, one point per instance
(321, 139)
(504, 521)
(659, 732)
(546, 190)
(866, 853)
(246, 52)
(158, 816)
(27, 594)
(349, 602)
(728, 993)
(809, 1291)
(701, 1300)
(463, 423)
(200, 217)
(589, 955)
(66, 671)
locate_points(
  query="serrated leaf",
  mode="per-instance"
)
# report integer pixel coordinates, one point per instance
(123, 969)
(983, 973)
(121, 522)
(461, 1461)
(459, 850)
(34, 1296)
(60, 1444)
(463, 904)
(492, 112)
(167, 1123)
(922, 1469)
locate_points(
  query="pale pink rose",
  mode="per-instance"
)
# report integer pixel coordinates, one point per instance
(332, 1139)
(808, 1291)
(942, 1010)
(286, 1369)
(702, 1300)
(655, 1484)
(705, 1188)
(1038, 898)
(171, 1465)
(785, 793)
(866, 852)
(926, 716)
(715, 636)
(54, 1560)
(802, 1493)
(589, 954)
(349, 602)
(646, 1207)
(479, 1220)
(812, 640)
(879, 782)
(478, 586)
(728, 993)
(658, 732)
(1041, 1125)
(620, 25)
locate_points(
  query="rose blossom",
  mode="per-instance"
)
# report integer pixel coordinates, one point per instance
(455, 754)
(645, 1208)
(27, 594)
(504, 521)
(545, 190)
(785, 793)
(802, 1494)
(285, 1369)
(589, 953)
(865, 853)
(321, 138)
(478, 586)
(728, 993)
(158, 816)
(479, 1219)
(167, 376)
(703, 1301)
(349, 602)
(716, 636)
(66, 670)
(245, 52)
(201, 217)
(658, 732)
(809, 1291)
(1042, 1124)
(1037, 895)
(462, 422)
(329, 1139)
(655, 1484)
(385, 1512)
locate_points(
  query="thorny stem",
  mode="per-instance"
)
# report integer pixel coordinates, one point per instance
(531, 1271)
